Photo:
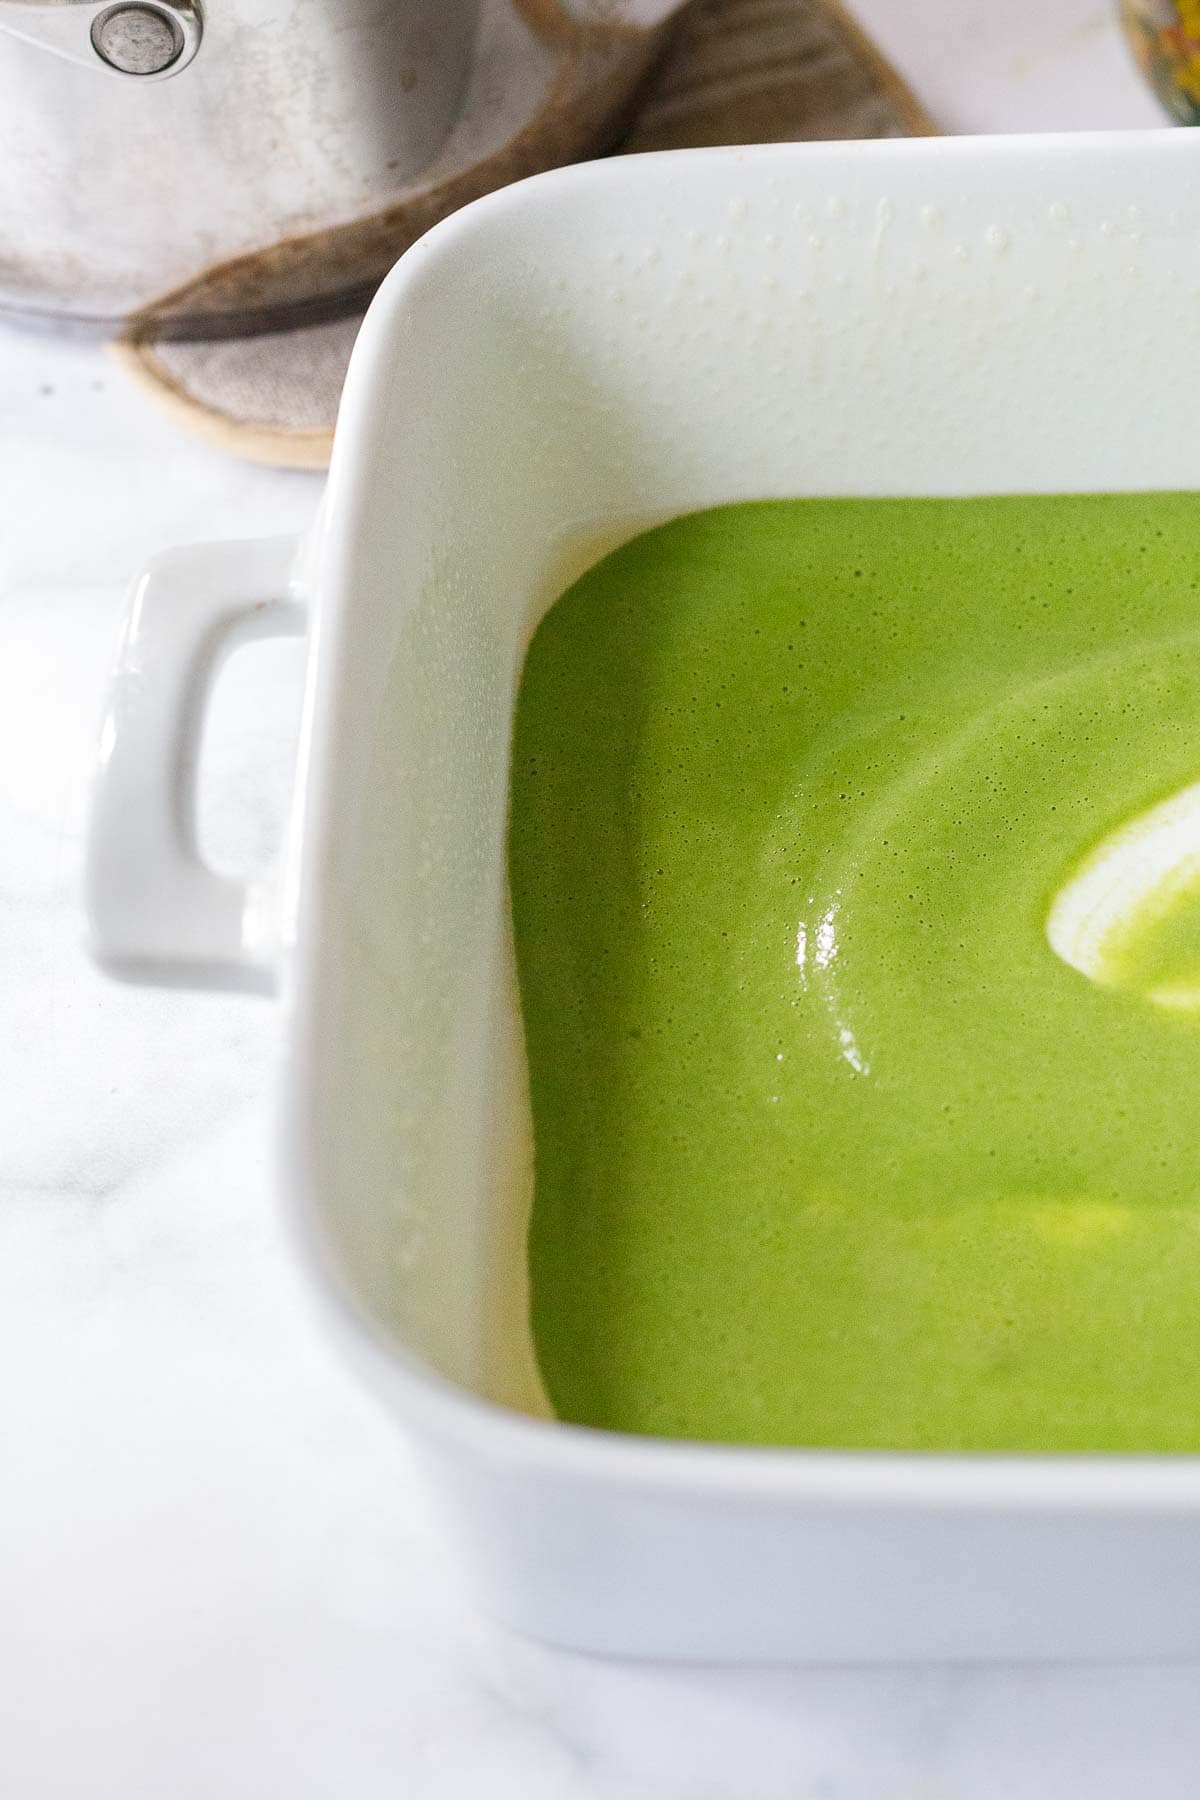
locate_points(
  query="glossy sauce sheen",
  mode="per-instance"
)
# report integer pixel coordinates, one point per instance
(832, 1147)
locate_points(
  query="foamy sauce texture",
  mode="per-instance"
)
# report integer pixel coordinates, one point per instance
(865, 1107)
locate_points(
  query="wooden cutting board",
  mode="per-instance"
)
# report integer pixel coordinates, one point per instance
(728, 72)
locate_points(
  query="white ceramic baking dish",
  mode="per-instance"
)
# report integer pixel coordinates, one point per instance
(546, 372)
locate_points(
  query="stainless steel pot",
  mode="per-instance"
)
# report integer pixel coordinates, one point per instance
(280, 118)
(196, 167)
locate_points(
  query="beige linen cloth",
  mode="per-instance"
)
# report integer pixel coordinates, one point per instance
(724, 72)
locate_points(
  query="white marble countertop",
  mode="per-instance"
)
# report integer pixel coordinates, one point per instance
(1013, 65)
(217, 1577)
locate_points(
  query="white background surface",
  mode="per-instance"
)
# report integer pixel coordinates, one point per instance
(1013, 65)
(216, 1575)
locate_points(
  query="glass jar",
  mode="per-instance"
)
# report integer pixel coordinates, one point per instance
(1165, 37)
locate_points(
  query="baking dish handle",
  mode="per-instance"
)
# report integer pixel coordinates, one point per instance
(156, 912)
